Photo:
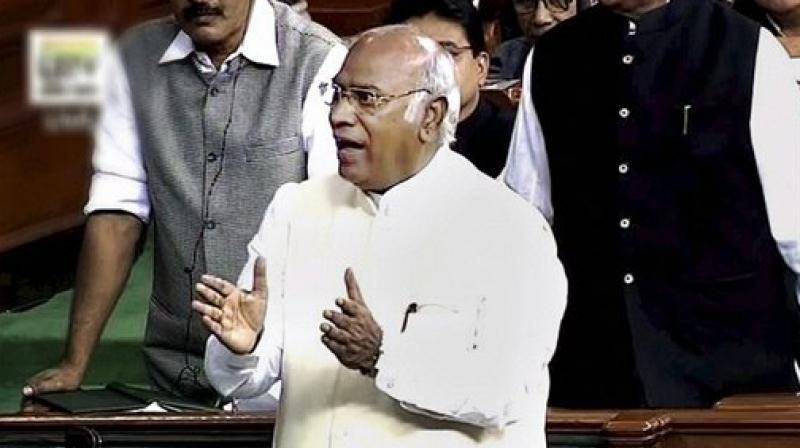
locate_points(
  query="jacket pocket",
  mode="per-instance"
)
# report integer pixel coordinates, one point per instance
(259, 148)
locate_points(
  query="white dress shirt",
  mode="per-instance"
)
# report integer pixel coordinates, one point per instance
(120, 181)
(774, 128)
(490, 294)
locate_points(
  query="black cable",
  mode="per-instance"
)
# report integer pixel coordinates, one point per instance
(193, 371)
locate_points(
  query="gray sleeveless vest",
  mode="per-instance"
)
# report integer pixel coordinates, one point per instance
(215, 151)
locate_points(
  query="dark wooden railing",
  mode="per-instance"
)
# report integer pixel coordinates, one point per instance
(769, 421)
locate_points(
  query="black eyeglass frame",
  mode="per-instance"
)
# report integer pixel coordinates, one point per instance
(454, 50)
(530, 6)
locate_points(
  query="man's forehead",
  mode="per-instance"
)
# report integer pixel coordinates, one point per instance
(374, 64)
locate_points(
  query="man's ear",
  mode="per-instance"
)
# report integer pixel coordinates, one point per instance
(433, 119)
(483, 60)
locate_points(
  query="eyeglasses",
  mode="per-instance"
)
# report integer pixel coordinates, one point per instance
(366, 100)
(530, 6)
(453, 49)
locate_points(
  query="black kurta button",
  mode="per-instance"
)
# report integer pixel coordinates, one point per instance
(214, 91)
(211, 157)
(211, 225)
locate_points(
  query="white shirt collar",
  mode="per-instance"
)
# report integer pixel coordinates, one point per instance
(427, 181)
(258, 46)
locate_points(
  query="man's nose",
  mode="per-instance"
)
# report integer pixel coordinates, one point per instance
(342, 113)
(542, 16)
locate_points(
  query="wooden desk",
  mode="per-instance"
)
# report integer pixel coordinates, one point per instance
(763, 421)
(138, 430)
(745, 421)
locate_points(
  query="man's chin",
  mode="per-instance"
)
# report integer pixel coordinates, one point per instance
(205, 35)
(352, 173)
(348, 172)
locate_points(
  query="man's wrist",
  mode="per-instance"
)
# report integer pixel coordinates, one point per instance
(255, 343)
(75, 365)
(370, 368)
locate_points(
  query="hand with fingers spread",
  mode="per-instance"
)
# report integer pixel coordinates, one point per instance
(233, 315)
(353, 335)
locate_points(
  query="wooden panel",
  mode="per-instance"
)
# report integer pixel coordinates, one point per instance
(16, 17)
(44, 176)
(349, 17)
(760, 402)
(173, 430)
(608, 429)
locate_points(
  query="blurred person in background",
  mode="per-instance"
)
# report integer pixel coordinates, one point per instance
(535, 17)
(499, 22)
(213, 107)
(484, 129)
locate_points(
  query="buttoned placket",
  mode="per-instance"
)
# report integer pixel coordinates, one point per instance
(626, 60)
(217, 110)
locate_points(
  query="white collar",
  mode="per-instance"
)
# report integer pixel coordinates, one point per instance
(258, 46)
(427, 181)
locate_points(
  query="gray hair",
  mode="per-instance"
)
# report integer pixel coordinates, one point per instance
(438, 76)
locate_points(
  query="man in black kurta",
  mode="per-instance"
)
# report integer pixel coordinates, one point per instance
(662, 140)
(484, 129)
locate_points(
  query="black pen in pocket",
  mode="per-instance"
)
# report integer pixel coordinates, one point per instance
(411, 308)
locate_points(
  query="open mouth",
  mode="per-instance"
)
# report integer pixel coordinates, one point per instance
(349, 151)
(346, 144)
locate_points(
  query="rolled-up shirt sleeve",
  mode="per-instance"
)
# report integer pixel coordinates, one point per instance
(775, 131)
(247, 376)
(503, 378)
(316, 128)
(119, 181)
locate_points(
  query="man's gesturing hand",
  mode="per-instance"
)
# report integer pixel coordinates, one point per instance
(235, 316)
(355, 338)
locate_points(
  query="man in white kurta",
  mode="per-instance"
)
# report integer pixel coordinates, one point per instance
(460, 275)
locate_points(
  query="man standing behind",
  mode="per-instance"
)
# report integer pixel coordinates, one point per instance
(207, 110)
(535, 18)
(667, 156)
(449, 307)
(484, 130)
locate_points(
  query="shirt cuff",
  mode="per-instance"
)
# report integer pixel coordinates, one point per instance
(112, 192)
(221, 356)
(226, 371)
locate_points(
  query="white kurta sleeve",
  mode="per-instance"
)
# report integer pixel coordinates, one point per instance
(316, 128)
(119, 181)
(246, 376)
(502, 376)
(775, 131)
(527, 171)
